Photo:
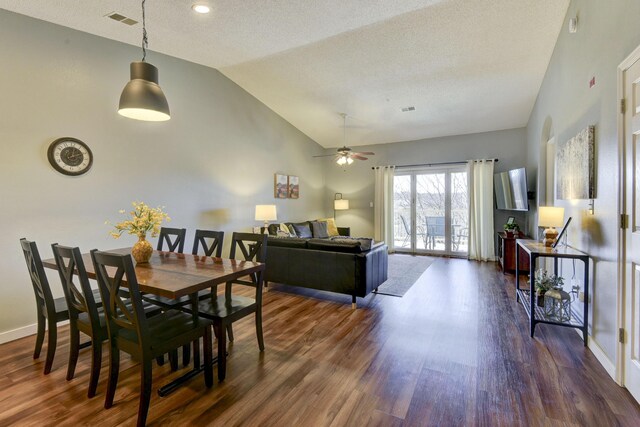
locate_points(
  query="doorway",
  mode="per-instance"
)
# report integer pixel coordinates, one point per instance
(431, 210)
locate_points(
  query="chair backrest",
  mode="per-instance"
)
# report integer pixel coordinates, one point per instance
(435, 226)
(39, 280)
(404, 223)
(253, 247)
(79, 299)
(120, 315)
(216, 238)
(175, 245)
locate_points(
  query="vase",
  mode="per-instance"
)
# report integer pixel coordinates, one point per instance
(142, 250)
(540, 298)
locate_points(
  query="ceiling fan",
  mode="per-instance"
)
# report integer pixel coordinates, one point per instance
(346, 155)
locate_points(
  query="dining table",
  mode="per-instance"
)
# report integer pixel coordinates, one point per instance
(176, 275)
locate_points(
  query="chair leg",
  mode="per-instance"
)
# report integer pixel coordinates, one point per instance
(230, 332)
(96, 363)
(208, 369)
(145, 392)
(259, 328)
(222, 351)
(74, 349)
(51, 346)
(173, 360)
(196, 353)
(186, 355)
(114, 368)
(160, 360)
(40, 337)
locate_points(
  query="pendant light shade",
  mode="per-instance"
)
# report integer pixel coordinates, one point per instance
(142, 98)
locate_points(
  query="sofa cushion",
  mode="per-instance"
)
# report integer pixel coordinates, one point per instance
(348, 246)
(319, 229)
(365, 242)
(332, 229)
(303, 230)
(287, 242)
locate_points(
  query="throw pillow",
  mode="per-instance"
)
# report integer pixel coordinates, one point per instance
(331, 226)
(292, 230)
(273, 229)
(319, 229)
(302, 230)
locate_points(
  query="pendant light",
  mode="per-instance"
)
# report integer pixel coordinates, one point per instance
(142, 98)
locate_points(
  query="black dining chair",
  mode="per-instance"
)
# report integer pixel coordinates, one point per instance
(225, 309)
(173, 237)
(132, 332)
(50, 311)
(84, 314)
(211, 242)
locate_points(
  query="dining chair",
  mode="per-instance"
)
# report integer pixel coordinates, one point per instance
(225, 309)
(132, 332)
(203, 237)
(49, 310)
(84, 315)
(173, 237)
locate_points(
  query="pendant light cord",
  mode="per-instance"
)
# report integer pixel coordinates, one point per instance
(145, 42)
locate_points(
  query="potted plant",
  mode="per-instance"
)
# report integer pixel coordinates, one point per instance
(511, 229)
(544, 282)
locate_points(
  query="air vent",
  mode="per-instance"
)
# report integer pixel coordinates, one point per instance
(121, 18)
(407, 109)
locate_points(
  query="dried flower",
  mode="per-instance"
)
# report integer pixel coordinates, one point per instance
(143, 220)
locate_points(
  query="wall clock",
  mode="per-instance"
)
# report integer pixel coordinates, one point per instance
(70, 156)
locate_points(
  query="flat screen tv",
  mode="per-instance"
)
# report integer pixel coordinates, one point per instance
(511, 190)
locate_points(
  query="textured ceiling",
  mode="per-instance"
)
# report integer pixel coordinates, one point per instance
(465, 65)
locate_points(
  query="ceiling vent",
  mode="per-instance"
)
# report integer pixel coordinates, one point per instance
(121, 18)
(407, 109)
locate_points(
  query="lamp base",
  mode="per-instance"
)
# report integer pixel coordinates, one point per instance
(550, 235)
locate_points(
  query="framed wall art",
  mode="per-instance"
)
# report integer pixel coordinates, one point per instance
(294, 187)
(280, 186)
(575, 167)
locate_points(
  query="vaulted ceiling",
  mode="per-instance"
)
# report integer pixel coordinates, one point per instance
(466, 66)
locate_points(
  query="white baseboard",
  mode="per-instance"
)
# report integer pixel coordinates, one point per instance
(15, 334)
(22, 332)
(602, 357)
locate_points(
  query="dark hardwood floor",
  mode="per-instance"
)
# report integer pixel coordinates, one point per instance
(453, 351)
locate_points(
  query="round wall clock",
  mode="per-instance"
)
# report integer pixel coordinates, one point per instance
(70, 156)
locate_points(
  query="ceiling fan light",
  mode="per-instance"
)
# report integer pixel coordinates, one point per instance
(349, 160)
(142, 98)
(342, 160)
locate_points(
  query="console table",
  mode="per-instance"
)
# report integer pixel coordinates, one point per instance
(535, 250)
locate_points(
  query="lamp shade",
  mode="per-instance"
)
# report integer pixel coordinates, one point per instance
(550, 216)
(142, 98)
(341, 204)
(266, 213)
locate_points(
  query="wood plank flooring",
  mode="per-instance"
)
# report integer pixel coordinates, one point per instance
(453, 351)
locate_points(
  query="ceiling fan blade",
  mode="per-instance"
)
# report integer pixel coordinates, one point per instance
(324, 155)
(356, 156)
(366, 153)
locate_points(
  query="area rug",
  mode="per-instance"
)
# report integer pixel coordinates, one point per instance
(403, 272)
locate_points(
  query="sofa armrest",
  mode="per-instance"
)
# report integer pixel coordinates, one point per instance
(344, 231)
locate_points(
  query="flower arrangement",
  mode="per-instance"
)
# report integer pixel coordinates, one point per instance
(143, 220)
(545, 281)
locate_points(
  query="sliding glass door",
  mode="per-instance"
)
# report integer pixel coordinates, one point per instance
(431, 210)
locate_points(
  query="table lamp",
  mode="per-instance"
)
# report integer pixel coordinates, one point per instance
(339, 204)
(266, 213)
(550, 217)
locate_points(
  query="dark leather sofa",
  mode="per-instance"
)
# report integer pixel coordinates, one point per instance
(344, 266)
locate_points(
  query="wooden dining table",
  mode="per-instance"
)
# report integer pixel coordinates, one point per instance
(175, 275)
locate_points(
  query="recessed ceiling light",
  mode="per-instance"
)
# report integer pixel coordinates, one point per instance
(201, 8)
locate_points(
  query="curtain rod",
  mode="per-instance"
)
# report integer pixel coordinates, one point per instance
(435, 164)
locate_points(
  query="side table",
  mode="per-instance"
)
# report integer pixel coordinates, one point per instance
(536, 250)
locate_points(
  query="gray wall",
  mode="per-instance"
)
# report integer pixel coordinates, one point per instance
(608, 32)
(355, 182)
(209, 165)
